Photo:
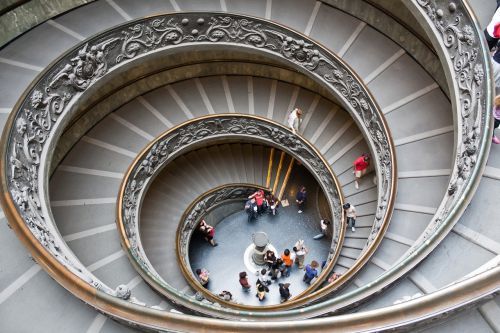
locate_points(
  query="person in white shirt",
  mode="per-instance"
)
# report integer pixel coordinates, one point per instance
(350, 212)
(294, 119)
(300, 253)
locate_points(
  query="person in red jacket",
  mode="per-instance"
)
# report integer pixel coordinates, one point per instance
(259, 199)
(361, 164)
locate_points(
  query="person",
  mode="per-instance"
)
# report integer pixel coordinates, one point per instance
(495, 61)
(203, 276)
(259, 200)
(288, 259)
(276, 268)
(208, 232)
(324, 223)
(244, 281)
(360, 166)
(261, 291)
(492, 31)
(284, 292)
(251, 209)
(300, 253)
(269, 258)
(300, 198)
(263, 277)
(294, 120)
(272, 203)
(496, 116)
(226, 295)
(311, 272)
(334, 277)
(350, 212)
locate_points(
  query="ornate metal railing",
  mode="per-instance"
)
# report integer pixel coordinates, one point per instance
(50, 102)
(179, 140)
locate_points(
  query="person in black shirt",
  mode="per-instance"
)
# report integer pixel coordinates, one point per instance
(300, 198)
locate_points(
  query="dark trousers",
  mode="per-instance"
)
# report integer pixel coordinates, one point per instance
(351, 221)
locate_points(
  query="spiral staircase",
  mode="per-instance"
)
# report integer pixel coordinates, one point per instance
(416, 261)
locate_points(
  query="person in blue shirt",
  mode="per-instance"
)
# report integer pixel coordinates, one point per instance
(311, 272)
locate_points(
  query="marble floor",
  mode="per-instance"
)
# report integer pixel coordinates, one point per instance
(234, 235)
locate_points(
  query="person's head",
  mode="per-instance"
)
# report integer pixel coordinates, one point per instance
(497, 101)
(366, 158)
(299, 112)
(314, 264)
(295, 249)
(263, 271)
(198, 271)
(287, 252)
(325, 221)
(279, 261)
(243, 275)
(346, 206)
(302, 189)
(252, 200)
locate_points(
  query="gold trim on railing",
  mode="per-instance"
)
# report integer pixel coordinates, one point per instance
(302, 298)
(270, 168)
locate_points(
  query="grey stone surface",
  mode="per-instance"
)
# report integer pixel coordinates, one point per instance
(452, 259)
(39, 46)
(137, 114)
(50, 307)
(28, 15)
(404, 288)
(416, 117)
(470, 321)
(420, 155)
(292, 13)
(145, 8)
(397, 76)
(90, 19)
(16, 261)
(92, 249)
(73, 219)
(357, 53)
(13, 81)
(72, 186)
(206, 5)
(101, 158)
(255, 7)
(330, 19)
(112, 132)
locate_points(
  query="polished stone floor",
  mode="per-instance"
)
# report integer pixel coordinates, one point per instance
(234, 235)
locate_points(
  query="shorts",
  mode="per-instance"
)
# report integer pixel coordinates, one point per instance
(359, 173)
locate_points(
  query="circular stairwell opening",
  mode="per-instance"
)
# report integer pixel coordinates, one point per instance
(230, 252)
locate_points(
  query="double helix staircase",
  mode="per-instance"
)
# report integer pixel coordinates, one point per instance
(84, 184)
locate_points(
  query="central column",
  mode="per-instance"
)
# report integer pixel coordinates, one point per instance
(260, 242)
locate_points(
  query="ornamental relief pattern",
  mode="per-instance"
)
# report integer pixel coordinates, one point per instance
(203, 207)
(462, 44)
(41, 111)
(175, 142)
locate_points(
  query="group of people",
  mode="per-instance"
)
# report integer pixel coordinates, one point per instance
(280, 267)
(259, 203)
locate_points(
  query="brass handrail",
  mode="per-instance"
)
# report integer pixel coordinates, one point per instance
(175, 142)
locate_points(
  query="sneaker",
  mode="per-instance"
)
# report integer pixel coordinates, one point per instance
(353, 229)
(495, 140)
(300, 212)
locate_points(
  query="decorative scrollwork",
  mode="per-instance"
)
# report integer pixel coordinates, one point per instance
(171, 144)
(463, 48)
(204, 206)
(41, 116)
